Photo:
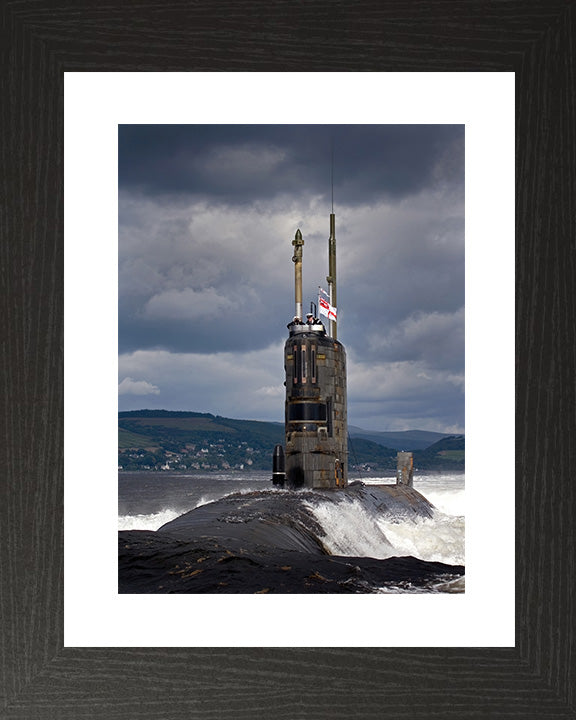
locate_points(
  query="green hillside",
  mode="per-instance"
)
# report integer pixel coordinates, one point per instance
(400, 439)
(448, 453)
(128, 439)
(188, 441)
(152, 439)
(367, 455)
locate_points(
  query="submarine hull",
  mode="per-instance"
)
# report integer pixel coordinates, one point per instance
(272, 542)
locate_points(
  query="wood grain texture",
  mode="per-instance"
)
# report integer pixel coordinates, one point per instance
(43, 38)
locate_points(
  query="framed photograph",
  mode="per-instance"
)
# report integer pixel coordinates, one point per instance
(424, 239)
(72, 646)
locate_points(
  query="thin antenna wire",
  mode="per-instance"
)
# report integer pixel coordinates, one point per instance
(332, 171)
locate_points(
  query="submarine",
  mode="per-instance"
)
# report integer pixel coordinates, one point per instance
(315, 452)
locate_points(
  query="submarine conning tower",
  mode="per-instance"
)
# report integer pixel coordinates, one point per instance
(316, 430)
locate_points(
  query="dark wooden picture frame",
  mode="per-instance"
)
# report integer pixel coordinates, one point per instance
(39, 678)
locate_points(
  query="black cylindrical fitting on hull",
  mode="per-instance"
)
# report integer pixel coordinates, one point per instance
(278, 466)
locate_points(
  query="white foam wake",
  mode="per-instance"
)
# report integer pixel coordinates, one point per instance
(445, 492)
(436, 539)
(153, 521)
(147, 522)
(450, 502)
(352, 529)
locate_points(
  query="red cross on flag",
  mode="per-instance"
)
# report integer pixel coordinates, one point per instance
(324, 306)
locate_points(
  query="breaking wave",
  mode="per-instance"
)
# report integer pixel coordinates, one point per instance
(147, 522)
(353, 529)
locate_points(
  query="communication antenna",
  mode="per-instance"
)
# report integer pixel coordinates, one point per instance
(331, 278)
(332, 171)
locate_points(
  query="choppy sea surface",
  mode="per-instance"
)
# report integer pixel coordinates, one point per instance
(364, 550)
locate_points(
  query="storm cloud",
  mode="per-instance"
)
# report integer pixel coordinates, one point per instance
(206, 219)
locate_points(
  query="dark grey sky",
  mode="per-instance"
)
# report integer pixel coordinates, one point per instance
(207, 215)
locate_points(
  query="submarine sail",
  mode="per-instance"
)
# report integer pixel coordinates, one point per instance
(316, 431)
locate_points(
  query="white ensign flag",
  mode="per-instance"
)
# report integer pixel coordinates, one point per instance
(324, 306)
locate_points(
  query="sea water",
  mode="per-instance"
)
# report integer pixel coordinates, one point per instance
(146, 501)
